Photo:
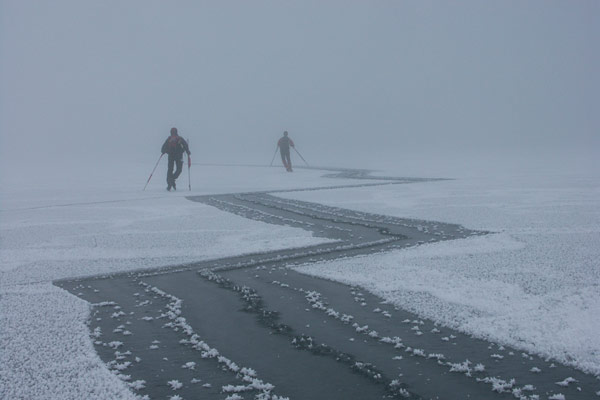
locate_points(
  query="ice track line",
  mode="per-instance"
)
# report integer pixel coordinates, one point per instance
(249, 327)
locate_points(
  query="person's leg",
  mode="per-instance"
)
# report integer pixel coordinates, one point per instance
(170, 179)
(283, 160)
(285, 156)
(179, 164)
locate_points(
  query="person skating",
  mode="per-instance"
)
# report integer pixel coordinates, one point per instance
(284, 148)
(174, 147)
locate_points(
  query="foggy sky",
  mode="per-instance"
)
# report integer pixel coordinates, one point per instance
(356, 83)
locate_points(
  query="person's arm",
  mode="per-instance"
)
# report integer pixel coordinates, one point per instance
(186, 148)
(163, 149)
(279, 143)
(292, 143)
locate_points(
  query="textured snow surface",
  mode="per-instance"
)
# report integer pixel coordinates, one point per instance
(46, 351)
(47, 233)
(69, 223)
(52, 243)
(535, 284)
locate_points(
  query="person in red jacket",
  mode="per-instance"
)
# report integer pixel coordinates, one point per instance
(174, 146)
(284, 148)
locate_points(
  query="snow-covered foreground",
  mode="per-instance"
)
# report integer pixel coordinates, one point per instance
(534, 284)
(46, 348)
(101, 222)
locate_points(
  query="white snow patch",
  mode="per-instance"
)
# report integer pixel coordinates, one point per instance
(534, 284)
(49, 355)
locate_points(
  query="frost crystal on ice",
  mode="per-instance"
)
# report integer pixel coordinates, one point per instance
(566, 382)
(175, 384)
(557, 396)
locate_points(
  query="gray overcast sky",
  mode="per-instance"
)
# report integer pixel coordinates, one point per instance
(356, 83)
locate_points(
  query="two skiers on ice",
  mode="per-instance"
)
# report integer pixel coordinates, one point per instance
(174, 147)
(284, 148)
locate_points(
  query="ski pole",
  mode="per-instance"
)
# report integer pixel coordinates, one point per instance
(189, 178)
(189, 165)
(150, 177)
(274, 154)
(301, 156)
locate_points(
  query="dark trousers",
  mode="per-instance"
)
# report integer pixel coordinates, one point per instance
(285, 158)
(174, 161)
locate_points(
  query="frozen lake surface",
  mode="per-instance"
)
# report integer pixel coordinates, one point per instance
(533, 284)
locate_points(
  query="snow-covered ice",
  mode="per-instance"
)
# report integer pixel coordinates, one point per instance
(46, 351)
(52, 233)
(534, 283)
(72, 222)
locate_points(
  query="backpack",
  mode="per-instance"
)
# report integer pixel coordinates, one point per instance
(172, 143)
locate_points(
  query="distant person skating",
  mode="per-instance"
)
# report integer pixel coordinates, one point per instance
(174, 147)
(284, 148)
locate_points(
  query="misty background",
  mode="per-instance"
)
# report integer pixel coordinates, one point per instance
(421, 86)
